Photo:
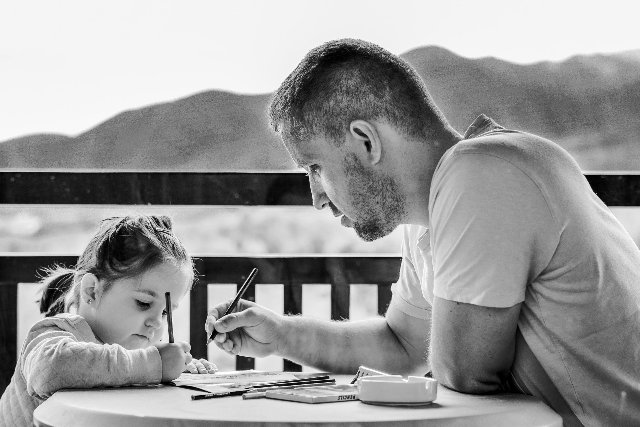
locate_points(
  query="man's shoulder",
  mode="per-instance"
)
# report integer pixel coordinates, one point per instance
(413, 232)
(530, 153)
(505, 142)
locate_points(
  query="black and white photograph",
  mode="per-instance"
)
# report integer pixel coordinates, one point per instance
(431, 206)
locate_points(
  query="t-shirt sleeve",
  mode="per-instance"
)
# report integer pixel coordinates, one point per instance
(406, 292)
(53, 358)
(490, 230)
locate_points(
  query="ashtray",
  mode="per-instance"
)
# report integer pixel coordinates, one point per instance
(394, 390)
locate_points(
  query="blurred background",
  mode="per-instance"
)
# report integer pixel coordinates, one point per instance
(183, 86)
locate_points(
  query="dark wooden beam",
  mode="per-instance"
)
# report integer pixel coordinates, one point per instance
(154, 188)
(215, 188)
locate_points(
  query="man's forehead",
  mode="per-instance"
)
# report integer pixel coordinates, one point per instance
(300, 151)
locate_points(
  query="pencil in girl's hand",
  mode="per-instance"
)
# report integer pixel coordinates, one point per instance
(167, 297)
(234, 303)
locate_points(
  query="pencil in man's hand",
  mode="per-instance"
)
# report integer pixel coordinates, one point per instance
(234, 303)
(167, 297)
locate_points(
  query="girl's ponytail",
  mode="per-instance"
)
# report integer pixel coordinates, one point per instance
(55, 286)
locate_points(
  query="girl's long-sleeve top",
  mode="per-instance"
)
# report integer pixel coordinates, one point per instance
(63, 352)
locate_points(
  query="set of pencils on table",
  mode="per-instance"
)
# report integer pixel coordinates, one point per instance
(258, 390)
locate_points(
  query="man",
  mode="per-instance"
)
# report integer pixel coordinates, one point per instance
(514, 276)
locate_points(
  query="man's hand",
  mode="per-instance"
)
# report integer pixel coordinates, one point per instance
(201, 366)
(252, 330)
(174, 357)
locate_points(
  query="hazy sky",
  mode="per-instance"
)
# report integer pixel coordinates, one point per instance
(66, 66)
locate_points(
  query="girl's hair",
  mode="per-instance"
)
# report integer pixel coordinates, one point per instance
(122, 247)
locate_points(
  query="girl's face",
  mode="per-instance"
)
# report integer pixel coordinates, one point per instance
(132, 311)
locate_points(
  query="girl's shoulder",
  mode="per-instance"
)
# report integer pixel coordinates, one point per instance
(68, 322)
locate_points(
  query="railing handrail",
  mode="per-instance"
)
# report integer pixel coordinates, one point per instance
(214, 188)
(274, 269)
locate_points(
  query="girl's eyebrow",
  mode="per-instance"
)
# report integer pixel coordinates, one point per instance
(148, 292)
(154, 294)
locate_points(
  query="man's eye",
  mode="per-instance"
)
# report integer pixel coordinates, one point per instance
(142, 304)
(164, 313)
(314, 169)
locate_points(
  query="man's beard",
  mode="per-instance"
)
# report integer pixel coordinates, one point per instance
(376, 197)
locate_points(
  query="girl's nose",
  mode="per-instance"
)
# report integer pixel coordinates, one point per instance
(154, 321)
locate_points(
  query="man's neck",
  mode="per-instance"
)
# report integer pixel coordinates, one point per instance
(417, 175)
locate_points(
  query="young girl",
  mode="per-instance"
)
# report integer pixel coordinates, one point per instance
(105, 318)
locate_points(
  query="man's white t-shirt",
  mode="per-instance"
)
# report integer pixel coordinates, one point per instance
(513, 220)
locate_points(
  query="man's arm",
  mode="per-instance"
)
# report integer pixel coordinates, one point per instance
(396, 344)
(492, 234)
(472, 346)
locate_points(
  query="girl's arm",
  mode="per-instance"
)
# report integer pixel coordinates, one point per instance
(54, 358)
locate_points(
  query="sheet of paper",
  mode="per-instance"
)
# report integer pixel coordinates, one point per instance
(231, 379)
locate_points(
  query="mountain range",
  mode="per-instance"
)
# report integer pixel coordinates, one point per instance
(589, 104)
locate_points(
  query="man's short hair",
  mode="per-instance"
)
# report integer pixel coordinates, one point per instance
(346, 80)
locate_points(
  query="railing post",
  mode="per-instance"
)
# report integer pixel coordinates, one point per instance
(198, 314)
(243, 362)
(8, 331)
(340, 289)
(292, 305)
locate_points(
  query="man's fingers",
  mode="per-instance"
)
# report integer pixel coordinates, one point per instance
(231, 345)
(211, 323)
(233, 321)
(208, 325)
(227, 345)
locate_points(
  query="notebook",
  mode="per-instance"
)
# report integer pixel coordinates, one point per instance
(317, 394)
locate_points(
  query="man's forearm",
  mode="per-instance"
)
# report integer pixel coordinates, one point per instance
(341, 347)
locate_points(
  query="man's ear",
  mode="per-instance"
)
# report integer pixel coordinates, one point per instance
(89, 288)
(367, 141)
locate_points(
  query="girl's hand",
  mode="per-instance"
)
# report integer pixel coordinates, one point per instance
(201, 366)
(175, 358)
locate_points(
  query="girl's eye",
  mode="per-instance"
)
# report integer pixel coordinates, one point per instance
(164, 313)
(143, 305)
(314, 170)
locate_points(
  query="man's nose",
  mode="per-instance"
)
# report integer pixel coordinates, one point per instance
(320, 199)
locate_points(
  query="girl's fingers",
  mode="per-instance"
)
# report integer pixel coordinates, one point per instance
(201, 366)
(208, 367)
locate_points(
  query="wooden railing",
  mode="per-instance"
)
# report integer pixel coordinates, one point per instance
(223, 189)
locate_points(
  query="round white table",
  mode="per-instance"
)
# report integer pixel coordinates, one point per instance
(159, 406)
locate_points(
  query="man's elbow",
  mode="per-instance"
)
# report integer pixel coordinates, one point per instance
(467, 381)
(414, 367)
